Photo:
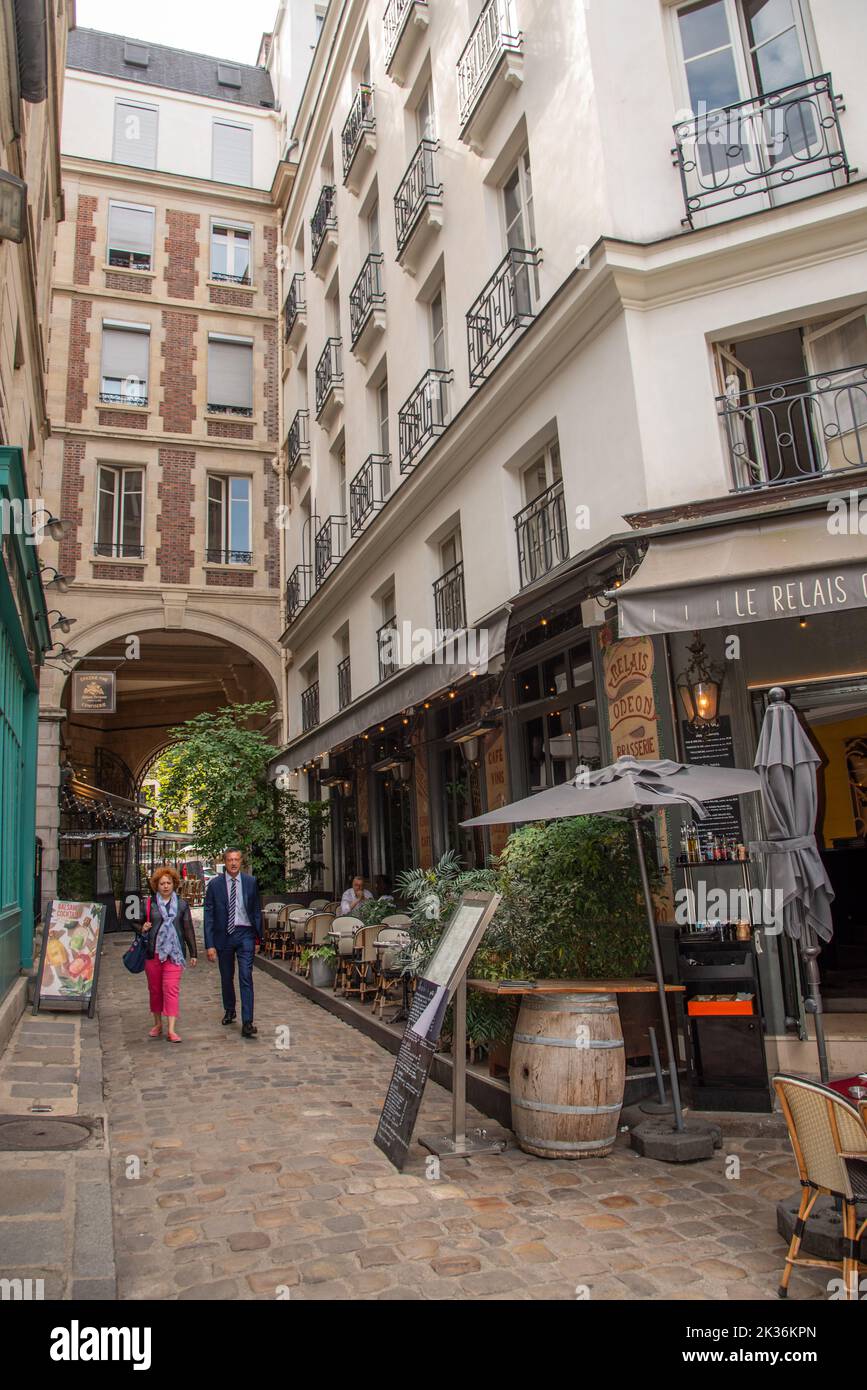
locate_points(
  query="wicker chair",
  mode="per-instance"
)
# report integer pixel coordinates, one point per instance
(319, 904)
(363, 965)
(346, 927)
(397, 919)
(387, 973)
(829, 1139)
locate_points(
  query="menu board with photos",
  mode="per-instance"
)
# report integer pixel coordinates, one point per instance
(69, 962)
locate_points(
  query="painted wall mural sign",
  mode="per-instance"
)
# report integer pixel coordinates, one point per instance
(627, 670)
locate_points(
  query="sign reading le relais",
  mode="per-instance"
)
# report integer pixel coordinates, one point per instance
(93, 692)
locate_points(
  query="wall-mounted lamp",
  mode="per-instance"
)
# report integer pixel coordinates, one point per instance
(13, 207)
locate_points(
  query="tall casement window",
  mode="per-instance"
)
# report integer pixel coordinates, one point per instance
(520, 228)
(383, 435)
(130, 236)
(232, 153)
(135, 134)
(125, 354)
(119, 512)
(229, 521)
(425, 116)
(735, 49)
(439, 348)
(555, 702)
(230, 375)
(231, 252)
(373, 238)
(540, 525)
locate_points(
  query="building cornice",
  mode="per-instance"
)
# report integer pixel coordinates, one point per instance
(151, 181)
(190, 306)
(152, 439)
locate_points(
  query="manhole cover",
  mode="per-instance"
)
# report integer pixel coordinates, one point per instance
(32, 1132)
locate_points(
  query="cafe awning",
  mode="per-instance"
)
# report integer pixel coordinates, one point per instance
(747, 573)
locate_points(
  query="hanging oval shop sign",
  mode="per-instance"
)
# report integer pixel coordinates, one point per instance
(94, 692)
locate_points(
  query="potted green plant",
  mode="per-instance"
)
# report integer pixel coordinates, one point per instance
(323, 966)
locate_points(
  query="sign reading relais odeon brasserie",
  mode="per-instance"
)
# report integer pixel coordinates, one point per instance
(627, 668)
(93, 692)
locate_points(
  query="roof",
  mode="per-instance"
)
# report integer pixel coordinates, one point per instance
(154, 65)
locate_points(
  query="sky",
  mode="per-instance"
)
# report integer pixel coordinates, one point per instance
(216, 27)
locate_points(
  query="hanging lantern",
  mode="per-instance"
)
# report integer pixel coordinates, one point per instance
(699, 686)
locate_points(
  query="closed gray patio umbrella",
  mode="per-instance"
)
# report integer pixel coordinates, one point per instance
(632, 786)
(787, 764)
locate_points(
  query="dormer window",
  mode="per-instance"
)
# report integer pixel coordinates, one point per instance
(137, 55)
(229, 75)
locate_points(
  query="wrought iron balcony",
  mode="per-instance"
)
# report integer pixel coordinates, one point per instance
(323, 221)
(795, 429)
(310, 707)
(114, 392)
(366, 296)
(297, 440)
(294, 304)
(368, 490)
(119, 550)
(244, 411)
(753, 149)
(329, 375)
(402, 18)
(387, 638)
(417, 190)
(506, 304)
(423, 416)
(449, 604)
(228, 557)
(329, 547)
(360, 123)
(224, 278)
(129, 260)
(495, 40)
(344, 683)
(298, 590)
(543, 538)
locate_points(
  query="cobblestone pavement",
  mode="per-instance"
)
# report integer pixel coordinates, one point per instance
(259, 1179)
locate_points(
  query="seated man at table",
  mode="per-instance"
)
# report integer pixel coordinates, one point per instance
(354, 896)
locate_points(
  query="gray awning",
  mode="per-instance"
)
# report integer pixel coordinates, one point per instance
(746, 573)
(410, 686)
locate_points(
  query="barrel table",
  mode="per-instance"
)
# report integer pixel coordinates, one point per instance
(568, 1065)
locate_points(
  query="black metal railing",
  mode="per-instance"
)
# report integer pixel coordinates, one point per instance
(423, 416)
(795, 429)
(417, 188)
(297, 440)
(361, 118)
(542, 535)
(310, 707)
(298, 590)
(344, 683)
(119, 550)
(218, 556)
(496, 33)
(324, 219)
(129, 260)
(393, 22)
(449, 605)
(224, 278)
(294, 304)
(244, 411)
(329, 373)
(329, 546)
(387, 638)
(368, 490)
(506, 305)
(761, 145)
(366, 294)
(121, 397)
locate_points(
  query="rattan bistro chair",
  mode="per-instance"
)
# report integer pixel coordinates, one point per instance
(345, 927)
(319, 904)
(362, 974)
(397, 919)
(388, 974)
(829, 1139)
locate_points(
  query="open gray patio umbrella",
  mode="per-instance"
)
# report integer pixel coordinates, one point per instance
(632, 786)
(787, 764)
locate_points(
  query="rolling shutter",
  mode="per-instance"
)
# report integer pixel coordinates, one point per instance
(135, 135)
(131, 229)
(125, 354)
(230, 373)
(233, 153)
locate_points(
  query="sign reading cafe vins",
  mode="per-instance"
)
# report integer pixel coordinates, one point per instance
(628, 674)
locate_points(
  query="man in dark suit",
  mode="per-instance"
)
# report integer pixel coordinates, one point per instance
(233, 927)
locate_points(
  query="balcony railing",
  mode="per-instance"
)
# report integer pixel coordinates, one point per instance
(244, 411)
(795, 429)
(366, 294)
(219, 556)
(298, 589)
(417, 188)
(543, 539)
(117, 392)
(297, 440)
(361, 118)
(757, 147)
(344, 683)
(310, 707)
(506, 304)
(393, 20)
(324, 219)
(329, 547)
(386, 645)
(368, 490)
(129, 260)
(119, 550)
(224, 278)
(294, 304)
(495, 34)
(423, 416)
(329, 373)
(449, 605)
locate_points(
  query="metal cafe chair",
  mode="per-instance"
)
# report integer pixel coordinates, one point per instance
(344, 929)
(388, 973)
(829, 1140)
(362, 974)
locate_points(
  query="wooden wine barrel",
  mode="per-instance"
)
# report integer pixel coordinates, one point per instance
(567, 1074)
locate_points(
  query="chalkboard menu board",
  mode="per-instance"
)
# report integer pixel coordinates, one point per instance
(714, 746)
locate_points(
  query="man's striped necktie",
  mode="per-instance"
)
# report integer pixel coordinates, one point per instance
(233, 888)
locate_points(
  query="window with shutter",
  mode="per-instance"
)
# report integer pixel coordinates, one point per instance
(233, 153)
(230, 375)
(135, 134)
(130, 236)
(125, 354)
